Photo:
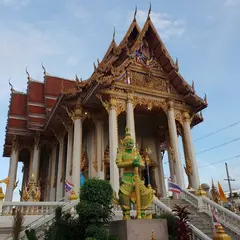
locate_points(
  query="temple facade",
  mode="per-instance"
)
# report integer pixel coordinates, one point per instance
(60, 127)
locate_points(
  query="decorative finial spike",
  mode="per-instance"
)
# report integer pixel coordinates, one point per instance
(98, 61)
(28, 75)
(193, 86)
(94, 65)
(149, 10)
(77, 79)
(114, 34)
(205, 98)
(176, 64)
(135, 14)
(11, 86)
(44, 70)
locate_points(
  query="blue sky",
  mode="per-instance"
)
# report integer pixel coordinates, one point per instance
(68, 36)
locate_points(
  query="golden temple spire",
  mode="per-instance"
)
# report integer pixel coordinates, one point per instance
(176, 65)
(135, 14)
(149, 10)
(153, 236)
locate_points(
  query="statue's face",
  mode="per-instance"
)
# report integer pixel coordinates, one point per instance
(128, 144)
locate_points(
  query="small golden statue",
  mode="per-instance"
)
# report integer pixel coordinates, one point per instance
(132, 189)
(32, 191)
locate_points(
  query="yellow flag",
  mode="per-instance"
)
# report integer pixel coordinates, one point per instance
(222, 194)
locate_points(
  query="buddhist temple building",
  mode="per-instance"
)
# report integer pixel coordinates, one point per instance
(60, 127)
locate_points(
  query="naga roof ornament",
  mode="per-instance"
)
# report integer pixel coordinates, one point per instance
(28, 75)
(44, 70)
(149, 10)
(135, 14)
(114, 34)
(10, 85)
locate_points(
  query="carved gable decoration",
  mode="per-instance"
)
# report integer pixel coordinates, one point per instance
(150, 82)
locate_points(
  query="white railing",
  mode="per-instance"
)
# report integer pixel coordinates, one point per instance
(28, 208)
(189, 197)
(160, 207)
(227, 218)
(43, 222)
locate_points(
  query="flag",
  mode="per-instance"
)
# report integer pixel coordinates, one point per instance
(68, 186)
(214, 220)
(222, 194)
(82, 179)
(173, 187)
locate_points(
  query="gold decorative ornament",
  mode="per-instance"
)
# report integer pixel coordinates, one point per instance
(6, 181)
(73, 196)
(172, 154)
(153, 236)
(200, 192)
(31, 192)
(2, 196)
(220, 234)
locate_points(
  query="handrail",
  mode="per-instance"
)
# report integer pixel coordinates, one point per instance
(189, 197)
(197, 233)
(42, 218)
(226, 217)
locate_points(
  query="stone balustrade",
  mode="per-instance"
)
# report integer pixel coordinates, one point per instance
(29, 208)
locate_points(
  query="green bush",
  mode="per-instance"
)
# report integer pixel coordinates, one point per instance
(94, 212)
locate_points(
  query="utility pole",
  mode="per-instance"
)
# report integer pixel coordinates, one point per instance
(229, 182)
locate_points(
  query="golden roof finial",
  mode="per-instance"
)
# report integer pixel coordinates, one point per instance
(135, 14)
(28, 75)
(153, 236)
(44, 70)
(2, 196)
(220, 234)
(149, 10)
(114, 34)
(94, 65)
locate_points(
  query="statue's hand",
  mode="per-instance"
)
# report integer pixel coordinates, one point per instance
(136, 162)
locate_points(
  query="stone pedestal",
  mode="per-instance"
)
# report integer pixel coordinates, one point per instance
(139, 229)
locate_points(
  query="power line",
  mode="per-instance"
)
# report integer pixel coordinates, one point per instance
(224, 160)
(217, 131)
(218, 146)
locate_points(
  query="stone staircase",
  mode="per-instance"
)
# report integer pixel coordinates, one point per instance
(198, 218)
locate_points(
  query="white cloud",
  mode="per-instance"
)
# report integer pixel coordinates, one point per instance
(166, 26)
(26, 44)
(232, 2)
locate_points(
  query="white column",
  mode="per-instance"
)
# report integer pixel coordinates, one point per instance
(100, 149)
(113, 145)
(191, 163)
(69, 154)
(36, 158)
(130, 116)
(59, 194)
(161, 175)
(174, 146)
(77, 149)
(12, 173)
(52, 178)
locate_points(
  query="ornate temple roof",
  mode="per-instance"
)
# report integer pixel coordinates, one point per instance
(32, 111)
